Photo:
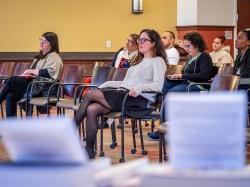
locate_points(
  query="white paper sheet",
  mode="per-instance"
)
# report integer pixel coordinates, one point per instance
(48, 140)
(207, 131)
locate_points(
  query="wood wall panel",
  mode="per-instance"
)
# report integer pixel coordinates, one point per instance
(243, 9)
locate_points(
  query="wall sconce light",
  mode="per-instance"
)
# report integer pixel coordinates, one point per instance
(137, 6)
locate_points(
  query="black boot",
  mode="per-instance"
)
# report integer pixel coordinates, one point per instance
(91, 152)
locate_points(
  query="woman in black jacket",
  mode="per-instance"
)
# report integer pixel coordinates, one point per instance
(198, 69)
(242, 61)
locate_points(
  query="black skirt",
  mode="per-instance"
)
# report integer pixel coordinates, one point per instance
(136, 107)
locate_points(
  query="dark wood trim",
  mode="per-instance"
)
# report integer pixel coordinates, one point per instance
(27, 56)
(203, 27)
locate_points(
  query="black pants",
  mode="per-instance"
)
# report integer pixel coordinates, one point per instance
(13, 90)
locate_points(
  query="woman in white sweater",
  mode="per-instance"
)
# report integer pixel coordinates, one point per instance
(147, 73)
(221, 53)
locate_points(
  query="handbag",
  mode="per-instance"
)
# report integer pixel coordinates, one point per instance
(41, 88)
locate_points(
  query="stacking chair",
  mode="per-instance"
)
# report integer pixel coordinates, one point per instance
(174, 69)
(226, 69)
(153, 115)
(6, 71)
(219, 83)
(19, 68)
(72, 74)
(101, 74)
(118, 75)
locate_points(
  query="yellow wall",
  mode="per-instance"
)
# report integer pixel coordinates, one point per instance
(82, 25)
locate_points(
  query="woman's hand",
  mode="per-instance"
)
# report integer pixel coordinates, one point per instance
(133, 93)
(176, 76)
(31, 72)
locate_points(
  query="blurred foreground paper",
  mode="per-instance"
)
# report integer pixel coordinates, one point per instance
(207, 131)
(13, 175)
(46, 140)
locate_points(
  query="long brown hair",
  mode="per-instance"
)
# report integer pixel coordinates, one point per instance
(158, 49)
(52, 38)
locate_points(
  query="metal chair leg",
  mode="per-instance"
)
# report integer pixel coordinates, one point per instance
(101, 138)
(152, 126)
(144, 152)
(113, 133)
(165, 157)
(160, 148)
(2, 111)
(21, 112)
(133, 150)
(122, 159)
(37, 112)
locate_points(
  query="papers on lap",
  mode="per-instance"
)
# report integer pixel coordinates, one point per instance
(50, 140)
(207, 131)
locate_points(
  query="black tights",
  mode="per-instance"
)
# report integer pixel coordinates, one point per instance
(92, 106)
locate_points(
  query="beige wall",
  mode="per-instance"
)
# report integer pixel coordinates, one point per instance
(82, 25)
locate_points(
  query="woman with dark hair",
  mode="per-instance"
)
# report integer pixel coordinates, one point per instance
(242, 61)
(146, 73)
(47, 64)
(126, 54)
(198, 69)
(221, 53)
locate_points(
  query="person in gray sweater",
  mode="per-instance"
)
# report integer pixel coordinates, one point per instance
(147, 73)
(47, 64)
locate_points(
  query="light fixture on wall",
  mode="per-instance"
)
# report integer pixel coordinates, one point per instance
(137, 6)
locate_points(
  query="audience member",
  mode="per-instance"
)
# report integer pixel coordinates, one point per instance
(47, 64)
(221, 53)
(168, 39)
(242, 61)
(147, 73)
(198, 69)
(125, 55)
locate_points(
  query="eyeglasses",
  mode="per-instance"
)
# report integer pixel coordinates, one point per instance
(187, 46)
(130, 41)
(41, 40)
(143, 40)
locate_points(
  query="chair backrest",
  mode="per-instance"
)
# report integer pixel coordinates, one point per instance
(102, 74)
(225, 83)
(174, 69)
(215, 71)
(119, 74)
(226, 69)
(19, 68)
(7, 69)
(71, 74)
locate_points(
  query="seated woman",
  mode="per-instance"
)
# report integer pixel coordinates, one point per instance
(242, 61)
(47, 64)
(125, 55)
(221, 53)
(146, 73)
(198, 69)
